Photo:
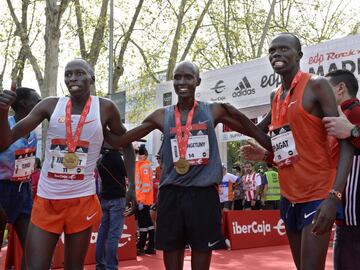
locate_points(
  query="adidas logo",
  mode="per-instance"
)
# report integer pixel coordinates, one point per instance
(243, 89)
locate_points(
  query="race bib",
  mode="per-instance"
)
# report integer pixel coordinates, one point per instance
(57, 170)
(284, 147)
(24, 164)
(197, 152)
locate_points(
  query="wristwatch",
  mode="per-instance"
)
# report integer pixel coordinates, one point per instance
(355, 132)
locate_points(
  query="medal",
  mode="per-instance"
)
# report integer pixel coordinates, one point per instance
(182, 166)
(70, 161)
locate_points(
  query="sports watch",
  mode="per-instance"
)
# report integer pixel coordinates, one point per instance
(355, 132)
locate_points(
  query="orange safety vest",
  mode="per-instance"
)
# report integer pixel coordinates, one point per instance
(144, 182)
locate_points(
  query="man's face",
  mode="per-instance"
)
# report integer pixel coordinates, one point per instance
(185, 80)
(338, 90)
(248, 168)
(77, 77)
(283, 53)
(29, 103)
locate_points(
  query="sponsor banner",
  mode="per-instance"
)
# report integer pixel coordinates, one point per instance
(249, 84)
(126, 251)
(256, 228)
(228, 135)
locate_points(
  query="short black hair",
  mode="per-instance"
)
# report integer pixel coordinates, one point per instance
(297, 40)
(21, 94)
(142, 150)
(347, 77)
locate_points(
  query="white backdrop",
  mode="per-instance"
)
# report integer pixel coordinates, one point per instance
(248, 85)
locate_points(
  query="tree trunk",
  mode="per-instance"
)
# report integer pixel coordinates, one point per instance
(119, 68)
(175, 46)
(266, 28)
(196, 28)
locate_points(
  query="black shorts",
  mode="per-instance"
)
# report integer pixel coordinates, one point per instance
(189, 215)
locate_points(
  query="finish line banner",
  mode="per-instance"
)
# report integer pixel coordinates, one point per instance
(249, 84)
(255, 228)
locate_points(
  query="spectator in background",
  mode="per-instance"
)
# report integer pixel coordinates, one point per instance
(144, 197)
(239, 193)
(346, 126)
(271, 189)
(226, 194)
(16, 165)
(35, 176)
(112, 172)
(252, 186)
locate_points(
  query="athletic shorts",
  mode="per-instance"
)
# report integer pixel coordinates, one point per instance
(66, 215)
(189, 215)
(15, 199)
(298, 215)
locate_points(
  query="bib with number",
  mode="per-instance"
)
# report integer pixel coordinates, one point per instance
(284, 147)
(57, 170)
(24, 164)
(198, 150)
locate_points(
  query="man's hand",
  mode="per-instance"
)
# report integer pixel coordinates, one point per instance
(130, 202)
(340, 127)
(252, 151)
(7, 97)
(324, 217)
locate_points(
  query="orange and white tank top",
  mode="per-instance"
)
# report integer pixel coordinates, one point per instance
(58, 182)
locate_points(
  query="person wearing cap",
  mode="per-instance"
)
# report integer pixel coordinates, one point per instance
(144, 196)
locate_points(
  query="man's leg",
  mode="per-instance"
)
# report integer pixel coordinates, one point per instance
(39, 242)
(174, 260)
(347, 248)
(313, 249)
(116, 220)
(200, 260)
(21, 227)
(294, 237)
(76, 246)
(2, 225)
(102, 238)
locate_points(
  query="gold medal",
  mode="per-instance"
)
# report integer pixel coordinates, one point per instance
(182, 166)
(70, 161)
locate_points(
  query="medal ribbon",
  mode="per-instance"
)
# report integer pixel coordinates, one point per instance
(183, 140)
(70, 140)
(282, 105)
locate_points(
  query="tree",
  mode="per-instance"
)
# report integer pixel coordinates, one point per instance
(47, 81)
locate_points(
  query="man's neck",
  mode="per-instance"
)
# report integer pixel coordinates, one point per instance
(288, 78)
(186, 104)
(78, 101)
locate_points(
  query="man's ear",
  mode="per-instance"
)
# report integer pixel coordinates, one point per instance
(93, 78)
(198, 81)
(341, 88)
(300, 55)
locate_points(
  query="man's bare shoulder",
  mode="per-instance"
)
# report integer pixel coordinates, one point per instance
(105, 102)
(317, 82)
(155, 115)
(48, 104)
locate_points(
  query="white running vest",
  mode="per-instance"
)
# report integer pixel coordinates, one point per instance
(58, 182)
